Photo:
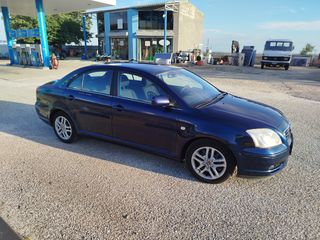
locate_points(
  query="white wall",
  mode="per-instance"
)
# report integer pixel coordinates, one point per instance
(2, 34)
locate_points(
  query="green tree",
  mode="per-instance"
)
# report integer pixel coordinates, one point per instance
(307, 50)
(62, 28)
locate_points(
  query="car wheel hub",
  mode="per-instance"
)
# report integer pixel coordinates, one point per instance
(63, 128)
(208, 163)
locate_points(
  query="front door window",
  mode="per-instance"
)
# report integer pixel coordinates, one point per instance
(137, 88)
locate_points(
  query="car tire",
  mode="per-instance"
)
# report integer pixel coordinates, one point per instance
(64, 128)
(286, 67)
(216, 168)
(262, 66)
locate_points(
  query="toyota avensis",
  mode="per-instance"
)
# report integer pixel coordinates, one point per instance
(171, 112)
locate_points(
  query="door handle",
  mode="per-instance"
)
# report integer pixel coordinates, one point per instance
(70, 97)
(118, 107)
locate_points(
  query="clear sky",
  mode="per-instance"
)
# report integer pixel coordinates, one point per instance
(251, 22)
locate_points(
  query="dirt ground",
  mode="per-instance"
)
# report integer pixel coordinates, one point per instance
(298, 81)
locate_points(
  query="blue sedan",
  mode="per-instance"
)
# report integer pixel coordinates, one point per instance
(172, 112)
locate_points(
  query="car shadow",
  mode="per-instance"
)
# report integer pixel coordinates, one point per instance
(6, 232)
(20, 119)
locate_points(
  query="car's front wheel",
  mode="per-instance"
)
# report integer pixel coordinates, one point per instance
(210, 161)
(64, 128)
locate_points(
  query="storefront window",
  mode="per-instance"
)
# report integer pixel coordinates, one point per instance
(154, 20)
(119, 48)
(118, 21)
(150, 46)
(100, 21)
(101, 46)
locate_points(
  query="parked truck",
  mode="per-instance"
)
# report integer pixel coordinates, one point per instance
(277, 53)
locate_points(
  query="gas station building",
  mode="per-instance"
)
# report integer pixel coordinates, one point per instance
(39, 9)
(138, 32)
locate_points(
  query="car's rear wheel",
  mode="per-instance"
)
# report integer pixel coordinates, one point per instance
(64, 128)
(210, 161)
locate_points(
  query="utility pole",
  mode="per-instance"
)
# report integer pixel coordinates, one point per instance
(173, 7)
(85, 55)
(165, 30)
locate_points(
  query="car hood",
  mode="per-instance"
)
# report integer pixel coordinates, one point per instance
(246, 113)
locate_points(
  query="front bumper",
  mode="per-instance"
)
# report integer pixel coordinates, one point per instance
(263, 162)
(275, 63)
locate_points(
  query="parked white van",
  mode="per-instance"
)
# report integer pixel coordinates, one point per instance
(277, 52)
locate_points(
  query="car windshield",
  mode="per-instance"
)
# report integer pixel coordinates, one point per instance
(278, 46)
(192, 89)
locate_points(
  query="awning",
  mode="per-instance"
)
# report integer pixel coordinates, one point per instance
(28, 7)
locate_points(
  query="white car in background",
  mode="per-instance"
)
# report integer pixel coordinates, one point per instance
(163, 58)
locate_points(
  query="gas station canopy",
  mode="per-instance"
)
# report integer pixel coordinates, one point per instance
(28, 7)
(39, 9)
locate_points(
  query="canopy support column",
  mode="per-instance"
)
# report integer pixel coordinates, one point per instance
(43, 33)
(133, 25)
(7, 27)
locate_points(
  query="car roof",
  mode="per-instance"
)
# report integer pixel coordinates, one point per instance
(153, 69)
(279, 40)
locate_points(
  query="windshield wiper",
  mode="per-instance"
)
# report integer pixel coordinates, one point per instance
(211, 101)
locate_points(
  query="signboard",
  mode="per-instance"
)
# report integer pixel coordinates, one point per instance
(33, 32)
(161, 42)
(24, 33)
(120, 23)
(13, 34)
(147, 43)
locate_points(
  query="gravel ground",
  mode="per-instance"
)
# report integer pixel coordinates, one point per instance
(97, 190)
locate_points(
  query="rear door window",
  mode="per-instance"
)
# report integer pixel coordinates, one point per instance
(76, 83)
(98, 81)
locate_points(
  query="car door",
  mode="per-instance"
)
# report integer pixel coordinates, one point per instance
(88, 97)
(136, 120)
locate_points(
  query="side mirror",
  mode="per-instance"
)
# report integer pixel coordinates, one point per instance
(162, 101)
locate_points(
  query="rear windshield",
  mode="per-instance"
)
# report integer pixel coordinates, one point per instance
(278, 46)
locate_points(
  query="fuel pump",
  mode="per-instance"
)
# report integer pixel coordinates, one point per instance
(36, 57)
(16, 53)
(26, 52)
(23, 57)
(19, 52)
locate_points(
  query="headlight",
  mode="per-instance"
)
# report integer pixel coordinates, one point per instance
(286, 59)
(264, 137)
(265, 58)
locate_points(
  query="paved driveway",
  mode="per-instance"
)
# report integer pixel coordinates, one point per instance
(98, 190)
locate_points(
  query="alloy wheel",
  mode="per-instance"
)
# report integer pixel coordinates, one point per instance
(208, 163)
(63, 127)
